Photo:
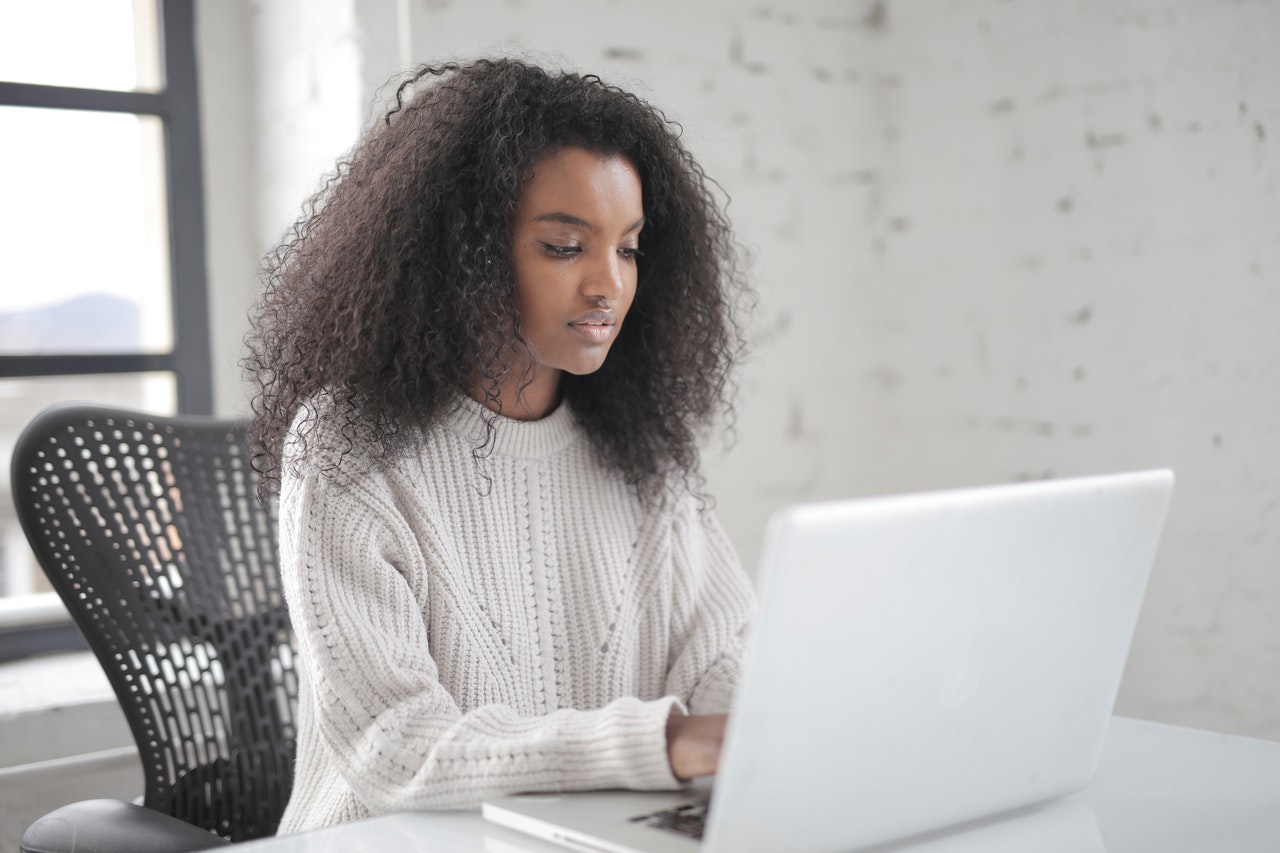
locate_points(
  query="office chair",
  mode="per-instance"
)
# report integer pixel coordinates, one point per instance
(149, 530)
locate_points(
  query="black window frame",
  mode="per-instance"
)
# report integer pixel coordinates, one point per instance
(177, 105)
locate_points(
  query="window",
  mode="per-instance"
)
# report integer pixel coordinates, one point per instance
(102, 276)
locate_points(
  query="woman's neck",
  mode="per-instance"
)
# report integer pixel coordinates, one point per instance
(524, 398)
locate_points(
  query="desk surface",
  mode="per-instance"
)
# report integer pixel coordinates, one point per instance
(1159, 789)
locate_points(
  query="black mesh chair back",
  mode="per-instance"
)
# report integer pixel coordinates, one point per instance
(149, 530)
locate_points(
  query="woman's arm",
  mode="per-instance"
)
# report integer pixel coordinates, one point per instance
(712, 607)
(394, 734)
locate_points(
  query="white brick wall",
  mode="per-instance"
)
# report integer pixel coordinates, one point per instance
(992, 241)
(1076, 271)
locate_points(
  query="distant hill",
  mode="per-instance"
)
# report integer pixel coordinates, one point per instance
(96, 322)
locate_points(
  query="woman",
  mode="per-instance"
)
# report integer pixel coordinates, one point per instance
(484, 361)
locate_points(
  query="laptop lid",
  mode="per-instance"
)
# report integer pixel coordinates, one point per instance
(923, 660)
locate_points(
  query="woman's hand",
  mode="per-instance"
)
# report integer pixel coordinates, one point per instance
(693, 743)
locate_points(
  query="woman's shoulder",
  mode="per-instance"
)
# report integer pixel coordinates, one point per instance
(674, 505)
(332, 436)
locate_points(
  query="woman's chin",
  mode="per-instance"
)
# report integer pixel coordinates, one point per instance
(585, 366)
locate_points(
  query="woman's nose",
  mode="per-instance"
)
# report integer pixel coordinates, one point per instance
(604, 277)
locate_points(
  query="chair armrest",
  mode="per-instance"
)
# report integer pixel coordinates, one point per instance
(112, 826)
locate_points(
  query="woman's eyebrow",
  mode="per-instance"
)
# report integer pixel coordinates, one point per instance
(579, 222)
(565, 219)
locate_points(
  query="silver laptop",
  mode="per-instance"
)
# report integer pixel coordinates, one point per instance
(917, 662)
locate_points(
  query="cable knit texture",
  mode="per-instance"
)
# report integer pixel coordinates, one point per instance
(523, 623)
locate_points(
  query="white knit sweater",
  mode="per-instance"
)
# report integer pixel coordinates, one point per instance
(524, 625)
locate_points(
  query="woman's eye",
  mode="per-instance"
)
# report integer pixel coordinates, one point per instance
(630, 254)
(558, 251)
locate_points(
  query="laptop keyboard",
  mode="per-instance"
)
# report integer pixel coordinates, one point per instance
(687, 819)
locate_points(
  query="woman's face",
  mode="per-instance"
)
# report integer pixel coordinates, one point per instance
(573, 249)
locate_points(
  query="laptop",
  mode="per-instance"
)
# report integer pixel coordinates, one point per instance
(917, 662)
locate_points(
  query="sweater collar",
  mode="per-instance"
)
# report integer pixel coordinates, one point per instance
(468, 418)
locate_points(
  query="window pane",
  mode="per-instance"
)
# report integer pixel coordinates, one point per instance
(85, 262)
(90, 44)
(20, 399)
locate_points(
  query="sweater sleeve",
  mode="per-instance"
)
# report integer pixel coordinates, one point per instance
(712, 610)
(397, 737)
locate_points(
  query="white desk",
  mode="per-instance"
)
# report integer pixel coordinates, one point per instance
(1159, 789)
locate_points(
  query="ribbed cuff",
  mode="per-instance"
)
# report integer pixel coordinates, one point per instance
(626, 746)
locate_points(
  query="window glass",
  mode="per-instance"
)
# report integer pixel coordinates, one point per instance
(86, 261)
(85, 238)
(89, 44)
(20, 399)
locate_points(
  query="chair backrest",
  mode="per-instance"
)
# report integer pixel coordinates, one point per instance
(149, 529)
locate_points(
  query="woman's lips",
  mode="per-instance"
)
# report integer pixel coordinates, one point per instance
(595, 326)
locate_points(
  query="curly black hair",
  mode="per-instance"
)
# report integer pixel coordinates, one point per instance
(395, 288)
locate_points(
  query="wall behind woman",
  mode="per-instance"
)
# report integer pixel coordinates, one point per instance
(992, 242)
